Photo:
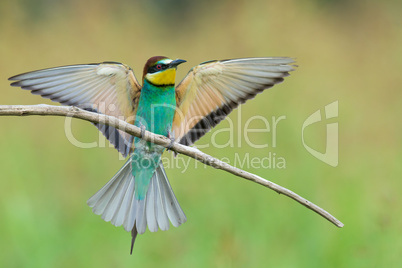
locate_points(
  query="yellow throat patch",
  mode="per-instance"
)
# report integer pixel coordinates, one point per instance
(167, 77)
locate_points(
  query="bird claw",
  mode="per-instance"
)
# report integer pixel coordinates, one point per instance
(170, 136)
(142, 131)
(170, 146)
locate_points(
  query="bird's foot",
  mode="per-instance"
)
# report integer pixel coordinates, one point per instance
(170, 136)
(142, 130)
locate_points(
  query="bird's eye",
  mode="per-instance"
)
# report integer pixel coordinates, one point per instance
(159, 66)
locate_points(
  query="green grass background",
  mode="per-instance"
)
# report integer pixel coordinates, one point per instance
(347, 51)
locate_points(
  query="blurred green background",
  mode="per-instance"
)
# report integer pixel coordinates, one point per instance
(347, 51)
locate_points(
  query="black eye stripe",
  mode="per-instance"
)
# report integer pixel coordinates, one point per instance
(154, 69)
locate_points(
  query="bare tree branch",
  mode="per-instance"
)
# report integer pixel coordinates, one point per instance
(22, 110)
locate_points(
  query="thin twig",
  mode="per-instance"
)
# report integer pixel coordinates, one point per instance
(22, 110)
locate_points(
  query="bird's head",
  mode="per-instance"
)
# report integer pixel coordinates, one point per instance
(161, 71)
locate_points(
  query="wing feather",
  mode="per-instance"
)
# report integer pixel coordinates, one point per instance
(211, 90)
(109, 88)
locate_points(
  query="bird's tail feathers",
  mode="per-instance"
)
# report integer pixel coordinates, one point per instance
(116, 202)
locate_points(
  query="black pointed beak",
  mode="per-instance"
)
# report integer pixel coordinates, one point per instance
(174, 63)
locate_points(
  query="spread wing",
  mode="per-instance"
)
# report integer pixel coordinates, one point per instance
(109, 88)
(211, 90)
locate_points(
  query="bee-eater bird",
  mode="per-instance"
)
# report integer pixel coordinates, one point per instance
(140, 195)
